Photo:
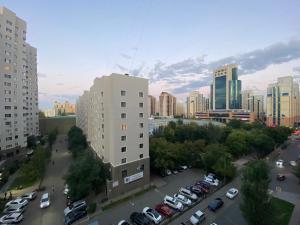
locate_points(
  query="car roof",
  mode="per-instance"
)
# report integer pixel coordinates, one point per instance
(199, 213)
(45, 195)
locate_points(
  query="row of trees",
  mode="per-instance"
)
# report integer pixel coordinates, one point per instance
(87, 173)
(212, 147)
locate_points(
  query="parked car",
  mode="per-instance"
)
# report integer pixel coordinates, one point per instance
(213, 176)
(232, 193)
(164, 210)
(152, 215)
(11, 218)
(215, 204)
(179, 169)
(45, 200)
(139, 219)
(196, 190)
(280, 177)
(74, 216)
(66, 189)
(168, 172)
(197, 217)
(293, 163)
(29, 196)
(14, 209)
(173, 203)
(279, 163)
(123, 222)
(175, 171)
(203, 188)
(213, 224)
(184, 200)
(184, 167)
(79, 205)
(188, 194)
(211, 181)
(203, 183)
(17, 202)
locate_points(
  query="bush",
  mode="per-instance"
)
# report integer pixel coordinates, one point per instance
(92, 208)
(13, 167)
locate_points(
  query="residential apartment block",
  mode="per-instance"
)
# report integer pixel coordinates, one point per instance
(253, 103)
(114, 116)
(196, 103)
(18, 85)
(64, 108)
(283, 107)
(226, 88)
(151, 106)
(167, 105)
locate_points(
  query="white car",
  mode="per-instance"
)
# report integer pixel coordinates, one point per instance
(197, 217)
(81, 204)
(123, 222)
(67, 189)
(188, 193)
(184, 167)
(17, 202)
(293, 163)
(152, 215)
(211, 181)
(184, 200)
(45, 201)
(14, 209)
(30, 195)
(168, 172)
(173, 203)
(11, 218)
(232, 193)
(279, 163)
(213, 224)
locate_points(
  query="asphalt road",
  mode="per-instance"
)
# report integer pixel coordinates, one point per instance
(54, 175)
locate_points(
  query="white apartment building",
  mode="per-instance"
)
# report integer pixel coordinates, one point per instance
(167, 105)
(18, 85)
(196, 103)
(114, 116)
(283, 108)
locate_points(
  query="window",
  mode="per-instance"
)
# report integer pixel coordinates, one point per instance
(102, 115)
(123, 149)
(123, 115)
(141, 135)
(141, 105)
(7, 76)
(123, 138)
(124, 127)
(141, 125)
(123, 93)
(124, 173)
(123, 104)
(8, 84)
(8, 92)
(9, 138)
(7, 99)
(141, 145)
(102, 125)
(102, 136)
(124, 160)
(141, 115)
(141, 156)
(141, 94)
(7, 115)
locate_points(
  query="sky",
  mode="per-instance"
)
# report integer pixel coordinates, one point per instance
(175, 44)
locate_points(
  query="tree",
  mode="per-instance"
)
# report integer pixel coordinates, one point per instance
(77, 141)
(256, 206)
(235, 124)
(224, 167)
(52, 137)
(31, 141)
(260, 143)
(237, 143)
(41, 114)
(212, 153)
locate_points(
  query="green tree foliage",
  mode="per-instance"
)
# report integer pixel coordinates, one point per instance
(278, 134)
(261, 144)
(86, 174)
(52, 137)
(235, 124)
(224, 167)
(256, 206)
(77, 141)
(237, 143)
(31, 141)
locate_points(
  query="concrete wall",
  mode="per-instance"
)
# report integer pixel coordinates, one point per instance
(63, 124)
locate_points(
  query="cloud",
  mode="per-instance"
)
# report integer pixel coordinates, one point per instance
(194, 73)
(297, 69)
(42, 75)
(59, 84)
(125, 56)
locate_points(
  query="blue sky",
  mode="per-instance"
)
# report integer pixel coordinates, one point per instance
(173, 43)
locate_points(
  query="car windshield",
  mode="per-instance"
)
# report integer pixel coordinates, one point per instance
(196, 215)
(232, 192)
(153, 212)
(44, 199)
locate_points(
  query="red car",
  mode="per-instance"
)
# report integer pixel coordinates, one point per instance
(164, 209)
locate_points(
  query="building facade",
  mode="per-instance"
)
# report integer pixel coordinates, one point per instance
(180, 109)
(151, 106)
(226, 88)
(283, 102)
(18, 85)
(116, 111)
(167, 105)
(253, 103)
(196, 102)
(65, 108)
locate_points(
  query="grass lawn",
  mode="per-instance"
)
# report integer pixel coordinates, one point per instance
(21, 181)
(283, 211)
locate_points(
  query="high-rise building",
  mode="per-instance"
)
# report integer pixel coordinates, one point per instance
(226, 88)
(253, 103)
(283, 102)
(64, 108)
(180, 109)
(196, 103)
(18, 85)
(167, 105)
(115, 111)
(151, 106)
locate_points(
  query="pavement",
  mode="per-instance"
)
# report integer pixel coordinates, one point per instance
(54, 176)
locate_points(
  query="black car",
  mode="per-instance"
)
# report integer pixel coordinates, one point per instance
(179, 169)
(74, 216)
(196, 190)
(203, 183)
(139, 219)
(215, 204)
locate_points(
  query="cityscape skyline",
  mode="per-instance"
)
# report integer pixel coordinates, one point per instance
(271, 54)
